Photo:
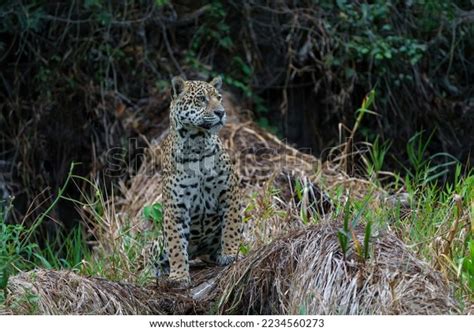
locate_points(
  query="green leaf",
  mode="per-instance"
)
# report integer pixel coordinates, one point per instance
(161, 3)
(299, 189)
(154, 213)
(341, 3)
(4, 275)
(244, 249)
(347, 212)
(368, 234)
(361, 211)
(342, 236)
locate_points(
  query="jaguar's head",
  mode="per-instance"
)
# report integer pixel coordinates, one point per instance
(197, 105)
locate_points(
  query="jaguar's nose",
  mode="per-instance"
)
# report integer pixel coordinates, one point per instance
(219, 112)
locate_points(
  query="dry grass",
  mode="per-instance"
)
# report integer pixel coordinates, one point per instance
(64, 292)
(302, 273)
(305, 272)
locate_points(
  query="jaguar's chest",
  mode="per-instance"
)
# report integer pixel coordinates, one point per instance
(199, 191)
(200, 178)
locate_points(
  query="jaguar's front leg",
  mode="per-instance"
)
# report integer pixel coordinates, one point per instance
(231, 227)
(176, 226)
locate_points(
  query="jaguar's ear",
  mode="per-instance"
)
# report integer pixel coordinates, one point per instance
(217, 82)
(177, 84)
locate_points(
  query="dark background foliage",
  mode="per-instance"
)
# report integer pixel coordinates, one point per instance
(78, 78)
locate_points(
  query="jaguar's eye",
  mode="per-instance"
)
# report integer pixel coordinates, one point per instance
(202, 98)
(219, 98)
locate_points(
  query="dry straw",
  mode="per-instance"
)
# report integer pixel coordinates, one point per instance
(302, 273)
(306, 273)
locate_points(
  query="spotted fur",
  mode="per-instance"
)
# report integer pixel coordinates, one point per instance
(200, 186)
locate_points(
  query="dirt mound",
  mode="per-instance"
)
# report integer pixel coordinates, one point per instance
(64, 292)
(306, 273)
